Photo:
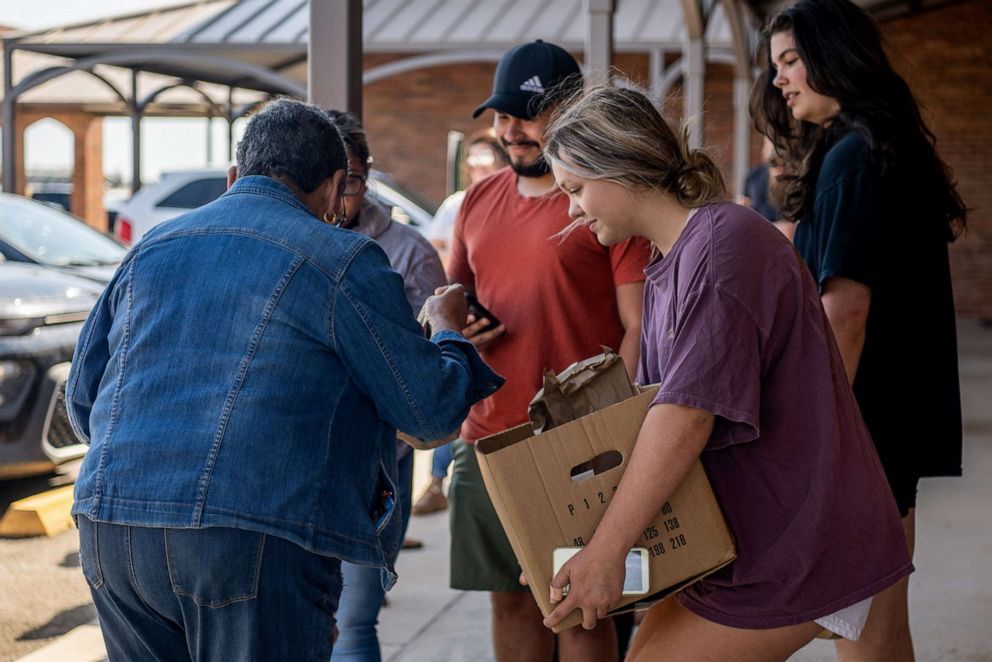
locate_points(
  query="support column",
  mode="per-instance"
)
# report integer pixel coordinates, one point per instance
(599, 41)
(742, 133)
(87, 174)
(10, 160)
(334, 55)
(229, 117)
(22, 121)
(135, 135)
(210, 140)
(740, 30)
(656, 73)
(694, 76)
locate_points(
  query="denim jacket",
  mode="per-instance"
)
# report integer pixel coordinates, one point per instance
(248, 366)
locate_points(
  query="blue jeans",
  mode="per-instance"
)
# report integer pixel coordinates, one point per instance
(361, 598)
(441, 460)
(208, 594)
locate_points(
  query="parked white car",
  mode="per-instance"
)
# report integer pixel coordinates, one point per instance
(174, 194)
(178, 192)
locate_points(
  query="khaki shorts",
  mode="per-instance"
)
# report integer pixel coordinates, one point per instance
(481, 556)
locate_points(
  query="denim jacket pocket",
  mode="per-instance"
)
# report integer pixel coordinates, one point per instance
(89, 552)
(214, 567)
(384, 503)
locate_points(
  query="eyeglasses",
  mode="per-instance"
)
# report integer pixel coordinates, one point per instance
(480, 160)
(354, 184)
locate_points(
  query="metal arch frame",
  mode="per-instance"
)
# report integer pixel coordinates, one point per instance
(217, 111)
(691, 67)
(129, 58)
(137, 56)
(436, 59)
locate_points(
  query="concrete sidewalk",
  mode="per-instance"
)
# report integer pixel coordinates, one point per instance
(951, 593)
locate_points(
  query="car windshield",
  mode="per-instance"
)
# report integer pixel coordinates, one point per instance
(52, 237)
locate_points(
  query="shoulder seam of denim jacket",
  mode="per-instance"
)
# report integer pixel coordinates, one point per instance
(404, 386)
(344, 263)
(232, 394)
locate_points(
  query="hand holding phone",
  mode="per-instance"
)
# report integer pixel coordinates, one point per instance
(480, 311)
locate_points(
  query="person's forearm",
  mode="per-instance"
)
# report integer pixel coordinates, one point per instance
(630, 302)
(670, 441)
(630, 350)
(846, 304)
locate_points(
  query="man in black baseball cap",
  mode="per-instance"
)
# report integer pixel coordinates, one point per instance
(529, 76)
(503, 251)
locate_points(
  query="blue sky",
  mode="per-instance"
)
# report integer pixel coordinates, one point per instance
(168, 144)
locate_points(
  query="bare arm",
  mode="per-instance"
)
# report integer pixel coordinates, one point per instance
(630, 305)
(788, 228)
(846, 303)
(670, 440)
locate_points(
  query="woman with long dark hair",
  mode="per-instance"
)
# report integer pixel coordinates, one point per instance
(876, 208)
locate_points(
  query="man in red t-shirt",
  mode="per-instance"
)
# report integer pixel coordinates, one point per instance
(559, 300)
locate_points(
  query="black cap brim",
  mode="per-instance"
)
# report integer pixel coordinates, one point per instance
(515, 105)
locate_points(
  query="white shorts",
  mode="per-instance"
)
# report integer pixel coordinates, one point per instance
(849, 621)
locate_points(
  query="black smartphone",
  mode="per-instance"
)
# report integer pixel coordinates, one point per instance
(480, 311)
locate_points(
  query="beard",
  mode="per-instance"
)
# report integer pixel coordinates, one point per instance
(536, 168)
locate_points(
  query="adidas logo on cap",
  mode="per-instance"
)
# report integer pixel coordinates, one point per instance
(532, 84)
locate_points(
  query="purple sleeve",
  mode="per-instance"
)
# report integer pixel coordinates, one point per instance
(712, 363)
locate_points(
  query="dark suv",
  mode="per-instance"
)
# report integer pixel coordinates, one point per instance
(41, 312)
(52, 270)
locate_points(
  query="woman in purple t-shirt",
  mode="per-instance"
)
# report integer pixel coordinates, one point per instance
(751, 384)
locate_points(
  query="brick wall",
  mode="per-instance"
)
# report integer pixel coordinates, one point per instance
(945, 54)
(408, 117)
(946, 57)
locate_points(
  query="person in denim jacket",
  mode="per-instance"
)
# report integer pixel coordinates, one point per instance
(241, 382)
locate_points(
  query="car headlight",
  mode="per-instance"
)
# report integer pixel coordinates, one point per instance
(15, 380)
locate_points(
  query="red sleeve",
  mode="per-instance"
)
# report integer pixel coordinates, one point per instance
(628, 259)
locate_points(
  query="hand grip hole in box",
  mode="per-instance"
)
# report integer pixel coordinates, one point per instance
(597, 465)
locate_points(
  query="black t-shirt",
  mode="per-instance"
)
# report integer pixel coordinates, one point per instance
(756, 188)
(873, 227)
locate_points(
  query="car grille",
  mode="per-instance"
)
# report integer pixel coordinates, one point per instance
(60, 434)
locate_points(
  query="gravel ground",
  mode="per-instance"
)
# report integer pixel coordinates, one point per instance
(42, 591)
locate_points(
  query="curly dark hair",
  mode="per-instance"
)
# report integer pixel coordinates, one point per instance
(291, 139)
(842, 50)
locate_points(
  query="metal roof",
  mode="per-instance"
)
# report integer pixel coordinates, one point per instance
(388, 25)
(272, 34)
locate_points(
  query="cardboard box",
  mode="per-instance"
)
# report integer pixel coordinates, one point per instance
(532, 483)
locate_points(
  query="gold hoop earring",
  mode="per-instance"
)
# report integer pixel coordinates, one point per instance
(333, 220)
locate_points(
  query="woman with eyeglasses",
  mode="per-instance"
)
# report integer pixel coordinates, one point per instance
(876, 208)
(415, 260)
